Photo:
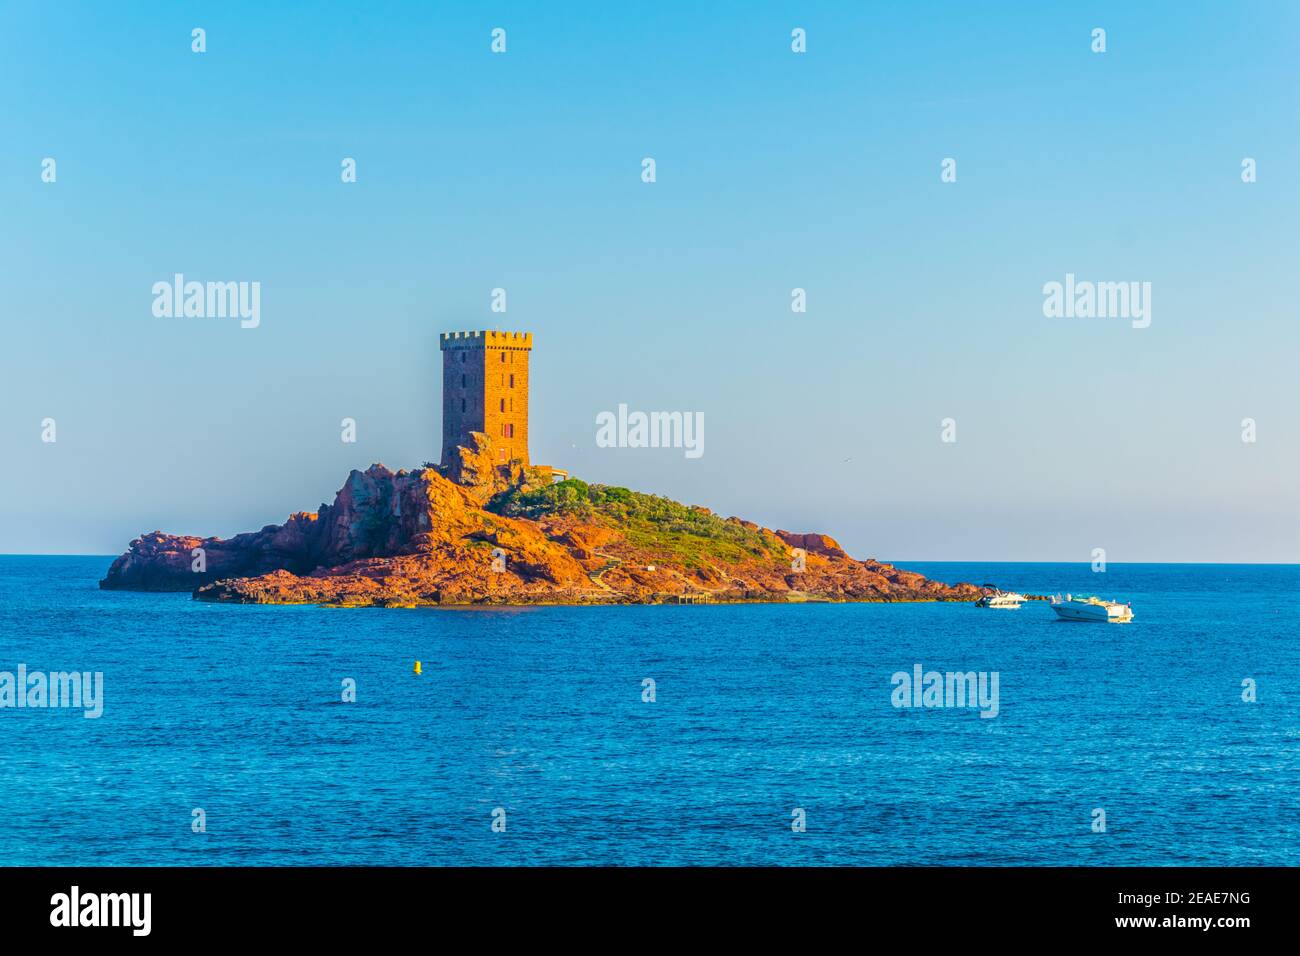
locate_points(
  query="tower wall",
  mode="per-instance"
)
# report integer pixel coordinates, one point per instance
(485, 389)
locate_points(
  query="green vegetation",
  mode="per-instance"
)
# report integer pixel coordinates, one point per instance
(651, 522)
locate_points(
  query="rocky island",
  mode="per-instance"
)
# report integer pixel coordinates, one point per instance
(484, 533)
(486, 527)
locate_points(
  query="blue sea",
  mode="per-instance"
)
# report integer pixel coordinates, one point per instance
(759, 711)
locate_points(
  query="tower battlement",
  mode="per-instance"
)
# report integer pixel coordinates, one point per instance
(485, 389)
(486, 339)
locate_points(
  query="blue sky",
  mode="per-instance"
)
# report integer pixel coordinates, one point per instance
(774, 171)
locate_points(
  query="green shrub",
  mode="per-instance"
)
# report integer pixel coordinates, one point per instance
(651, 522)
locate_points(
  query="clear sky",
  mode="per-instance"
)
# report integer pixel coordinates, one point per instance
(775, 170)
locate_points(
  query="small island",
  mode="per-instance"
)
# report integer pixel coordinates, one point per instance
(487, 527)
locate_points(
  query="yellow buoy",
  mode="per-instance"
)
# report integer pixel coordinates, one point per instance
(417, 668)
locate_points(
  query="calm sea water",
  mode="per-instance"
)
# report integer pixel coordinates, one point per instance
(759, 710)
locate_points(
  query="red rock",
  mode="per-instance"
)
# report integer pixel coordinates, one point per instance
(410, 538)
(813, 543)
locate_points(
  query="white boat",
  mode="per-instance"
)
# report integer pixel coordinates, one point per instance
(1091, 609)
(1003, 600)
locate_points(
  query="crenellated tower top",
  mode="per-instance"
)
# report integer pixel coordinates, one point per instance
(486, 339)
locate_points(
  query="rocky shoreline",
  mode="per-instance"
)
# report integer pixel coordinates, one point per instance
(482, 534)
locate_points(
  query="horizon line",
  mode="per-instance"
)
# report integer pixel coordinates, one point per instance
(893, 561)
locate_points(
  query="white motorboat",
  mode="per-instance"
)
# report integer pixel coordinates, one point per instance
(1003, 600)
(1092, 609)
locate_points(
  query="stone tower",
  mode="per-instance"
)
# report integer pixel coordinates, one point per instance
(485, 389)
